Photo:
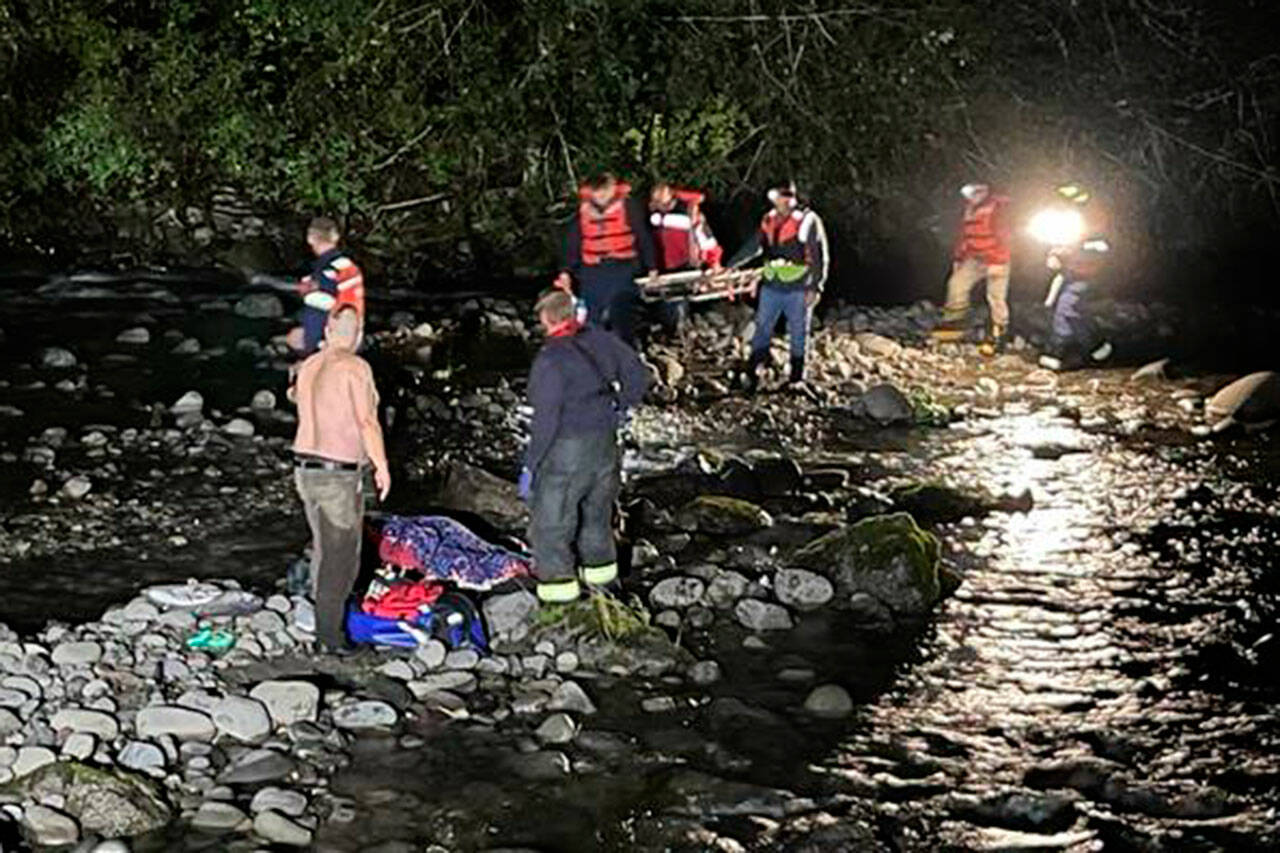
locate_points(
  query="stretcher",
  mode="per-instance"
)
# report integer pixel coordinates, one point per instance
(698, 285)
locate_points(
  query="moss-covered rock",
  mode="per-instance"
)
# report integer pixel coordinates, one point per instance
(934, 503)
(722, 516)
(106, 802)
(887, 556)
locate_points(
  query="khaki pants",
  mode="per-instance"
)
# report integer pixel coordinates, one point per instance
(966, 274)
(335, 510)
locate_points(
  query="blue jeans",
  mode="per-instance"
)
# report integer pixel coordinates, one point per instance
(778, 302)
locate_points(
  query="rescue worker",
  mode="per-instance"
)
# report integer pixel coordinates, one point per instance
(607, 245)
(1074, 337)
(682, 240)
(982, 250)
(334, 280)
(582, 384)
(338, 435)
(793, 241)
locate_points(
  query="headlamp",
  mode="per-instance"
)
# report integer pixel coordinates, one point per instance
(1057, 227)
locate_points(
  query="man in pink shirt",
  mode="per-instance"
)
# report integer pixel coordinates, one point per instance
(338, 434)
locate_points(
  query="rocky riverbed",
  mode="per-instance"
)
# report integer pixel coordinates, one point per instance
(940, 603)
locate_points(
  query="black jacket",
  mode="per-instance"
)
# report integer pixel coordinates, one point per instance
(571, 394)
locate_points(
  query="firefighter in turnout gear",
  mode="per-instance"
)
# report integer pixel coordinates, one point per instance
(793, 242)
(982, 250)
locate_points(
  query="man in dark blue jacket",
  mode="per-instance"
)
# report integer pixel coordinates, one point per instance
(581, 386)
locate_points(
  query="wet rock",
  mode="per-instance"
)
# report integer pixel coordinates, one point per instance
(886, 556)
(541, 766)
(704, 797)
(140, 755)
(96, 723)
(243, 719)
(472, 489)
(557, 729)
(1252, 399)
(256, 766)
(104, 802)
(239, 427)
(79, 746)
(570, 696)
(278, 829)
(934, 503)
(869, 612)
(284, 800)
(657, 704)
(756, 615)
(30, 759)
(365, 714)
(830, 701)
(510, 616)
(726, 588)
(288, 702)
(136, 336)
(1024, 810)
(181, 723)
(9, 722)
(884, 405)
(704, 672)
(56, 357)
(189, 403)
(217, 818)
(1150, 372)
(48, 827)
(717, 515)
(259, 306)
(677, 593)
(802, 589)
(263, 401)
(186, 346)
(76, 653)
(76, 488)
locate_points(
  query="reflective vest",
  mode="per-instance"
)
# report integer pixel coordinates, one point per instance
(980, 235)
(606, 233)
(680, 235)
(782, 239)
(336, 281)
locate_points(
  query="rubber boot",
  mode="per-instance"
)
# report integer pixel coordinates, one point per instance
(797, 371)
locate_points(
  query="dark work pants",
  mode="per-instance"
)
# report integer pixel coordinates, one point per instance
(335, 509)
(574, 490)
(1074, 333)
(611, 296)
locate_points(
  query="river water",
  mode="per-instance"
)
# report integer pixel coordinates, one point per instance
(1103, 679)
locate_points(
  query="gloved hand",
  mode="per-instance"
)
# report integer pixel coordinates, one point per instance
(524, 486)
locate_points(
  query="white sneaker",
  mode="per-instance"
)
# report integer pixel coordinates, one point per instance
(1048, 362)
(1102, 353)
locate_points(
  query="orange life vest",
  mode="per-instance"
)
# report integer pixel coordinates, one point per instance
(606, 232)
(980, 236)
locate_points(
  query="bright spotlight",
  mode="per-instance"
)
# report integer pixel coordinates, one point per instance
(1057, 227)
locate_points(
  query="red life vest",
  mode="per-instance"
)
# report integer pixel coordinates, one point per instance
(673, 236)
(780, 235)
(981, 236)
(606, 233)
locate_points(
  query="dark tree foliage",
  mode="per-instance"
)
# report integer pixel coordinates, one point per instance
(432, 121)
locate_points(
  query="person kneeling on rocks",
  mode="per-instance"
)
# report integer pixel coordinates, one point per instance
(338, 434)
(582, 384)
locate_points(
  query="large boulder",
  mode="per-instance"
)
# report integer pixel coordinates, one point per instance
(933, 503)
(722, 516)
(473, 489)
(1251, 399)
(104, 802)
(886, 556)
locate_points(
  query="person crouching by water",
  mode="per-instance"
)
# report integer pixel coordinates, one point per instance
(338, 434)
(334, 281)
(582, 384)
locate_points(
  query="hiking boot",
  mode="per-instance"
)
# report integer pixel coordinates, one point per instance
(949, 331)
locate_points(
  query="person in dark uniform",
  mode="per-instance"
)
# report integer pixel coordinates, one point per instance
(582, 384)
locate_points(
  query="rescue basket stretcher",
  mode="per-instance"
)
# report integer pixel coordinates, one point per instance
(698, 285)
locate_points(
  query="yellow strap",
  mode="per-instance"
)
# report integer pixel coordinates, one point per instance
(600, 575)
(558, 592)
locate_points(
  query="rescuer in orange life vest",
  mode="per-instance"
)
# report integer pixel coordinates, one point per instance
(334, 281)
(982, 250)
(607, 245)
(793, 241)
(682, 240)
